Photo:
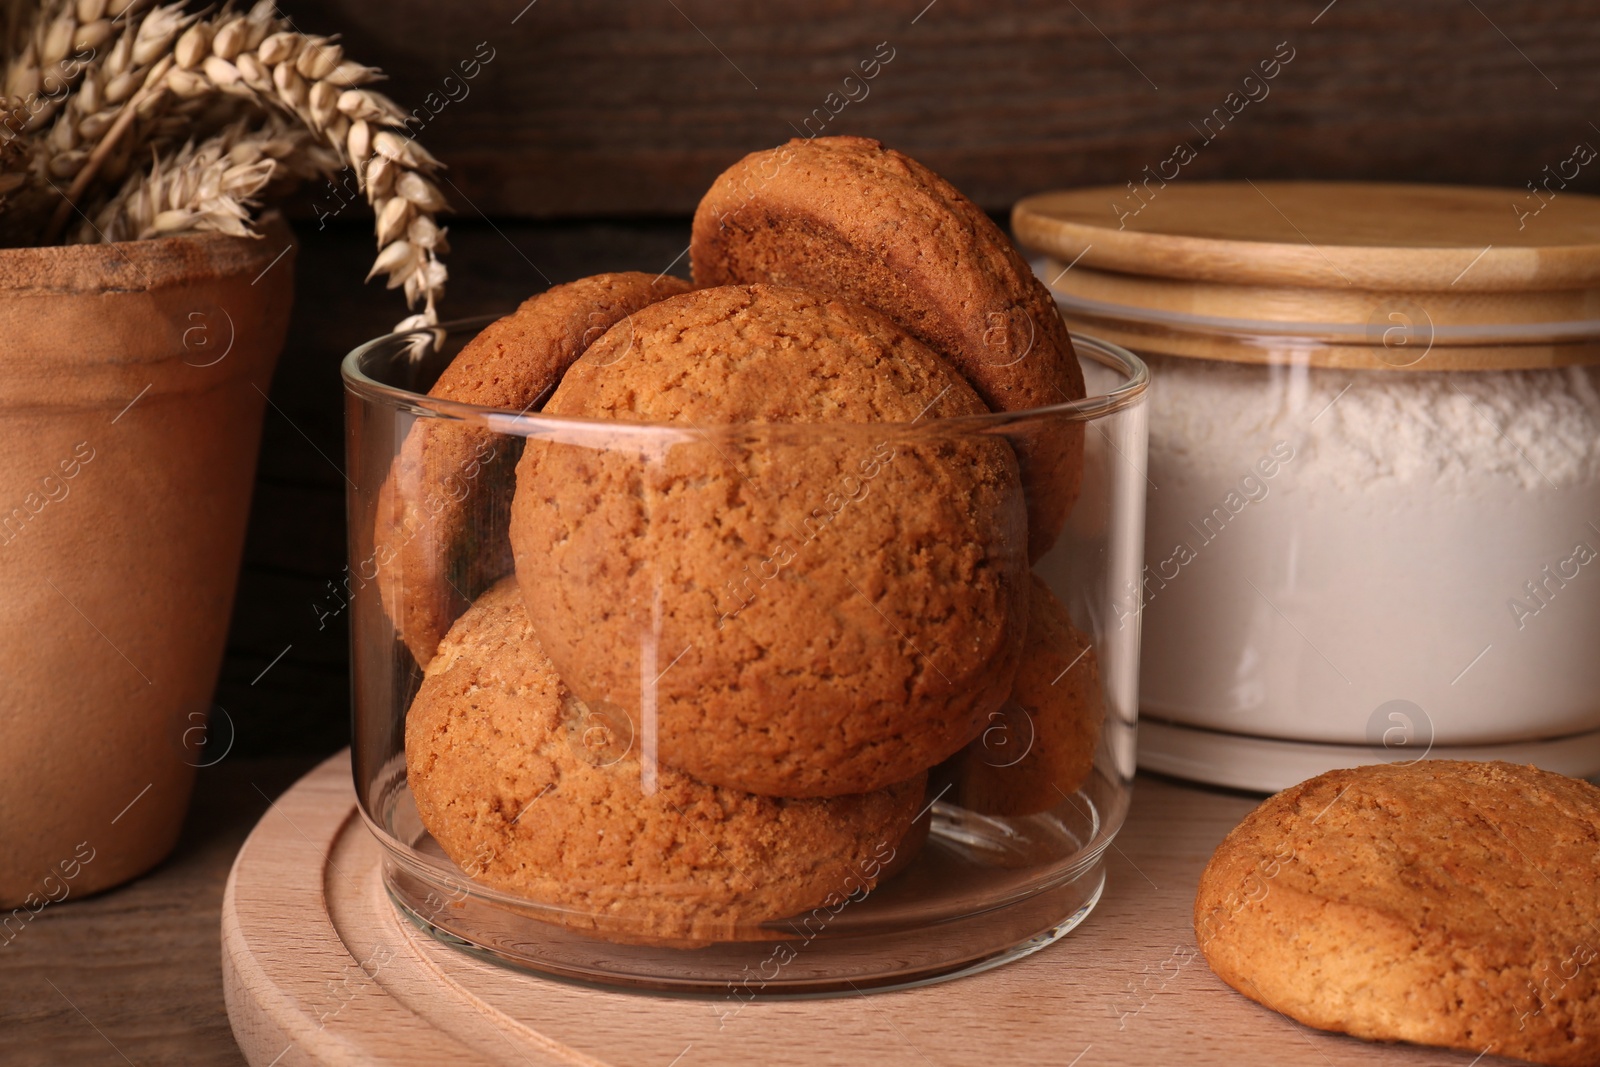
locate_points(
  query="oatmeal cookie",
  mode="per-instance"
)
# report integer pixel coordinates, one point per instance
(529, 793)
(797, 610)
(439, 537)
(847, 216)
(1442, 902)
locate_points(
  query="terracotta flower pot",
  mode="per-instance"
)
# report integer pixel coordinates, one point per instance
(133, 378)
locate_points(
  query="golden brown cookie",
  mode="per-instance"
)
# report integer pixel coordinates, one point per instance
(845, 215)
(799, 610)
(1039, 747)
(1441, 902)
(439, 538)
(521, 788)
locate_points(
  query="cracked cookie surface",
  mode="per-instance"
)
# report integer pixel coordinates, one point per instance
(439, 537)
(530, 794)
(851, 217)
(812, 602)
(1443, 902)
(1038, 749)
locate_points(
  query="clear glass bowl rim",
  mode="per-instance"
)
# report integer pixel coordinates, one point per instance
(357, 381)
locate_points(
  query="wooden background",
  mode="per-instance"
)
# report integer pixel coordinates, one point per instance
(624, 107)
(589, 136)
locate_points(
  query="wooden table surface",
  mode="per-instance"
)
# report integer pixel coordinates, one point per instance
(135, 975)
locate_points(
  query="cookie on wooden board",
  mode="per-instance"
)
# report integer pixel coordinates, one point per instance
(531, 794)
(1039, 747)
(800, 610)
(847, 216)
(439, 537)
(1440, 902)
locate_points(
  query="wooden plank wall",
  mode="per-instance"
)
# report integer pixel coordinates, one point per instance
(628, 107)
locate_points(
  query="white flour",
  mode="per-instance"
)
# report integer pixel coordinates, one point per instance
(1384, 559)
(1454, 432)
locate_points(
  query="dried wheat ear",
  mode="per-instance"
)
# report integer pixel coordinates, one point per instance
(130, 121)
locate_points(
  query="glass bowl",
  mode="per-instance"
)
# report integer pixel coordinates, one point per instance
(792, 712)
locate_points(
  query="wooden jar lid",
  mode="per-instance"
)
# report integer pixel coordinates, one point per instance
(1353, 274)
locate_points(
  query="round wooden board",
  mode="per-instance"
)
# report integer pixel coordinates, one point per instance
(319, 969)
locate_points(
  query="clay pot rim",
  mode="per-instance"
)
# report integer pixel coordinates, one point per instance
(142, 266)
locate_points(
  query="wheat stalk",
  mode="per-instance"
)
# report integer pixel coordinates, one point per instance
(209, 187)
(45, 58)
(15, 152)
(310, 78)
(106, 87)
(159, 77)
(69, 38)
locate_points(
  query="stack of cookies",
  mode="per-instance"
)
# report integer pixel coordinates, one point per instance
(690, 656)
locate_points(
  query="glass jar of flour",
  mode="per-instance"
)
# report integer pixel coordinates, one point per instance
(1373, 526)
